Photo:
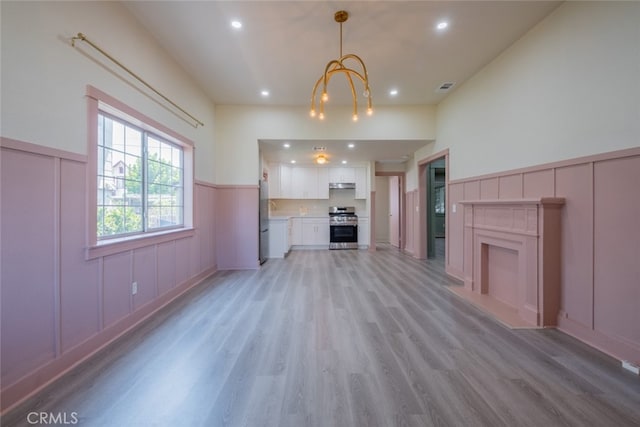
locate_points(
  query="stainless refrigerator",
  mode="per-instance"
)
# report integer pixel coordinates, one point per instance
(263, 218)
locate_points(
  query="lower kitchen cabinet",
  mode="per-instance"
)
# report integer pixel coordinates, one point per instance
(315, 231)
(278, 238)
(363, 232)
(295, 231)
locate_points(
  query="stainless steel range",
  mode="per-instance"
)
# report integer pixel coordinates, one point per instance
(343, 227)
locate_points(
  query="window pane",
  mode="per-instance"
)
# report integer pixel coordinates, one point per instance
(132, 220)
(100, 225)
(133, 143)
(153, 217)
(113, 220)
(139, 176)
(115, 139)
(153, 148)
(176, 176)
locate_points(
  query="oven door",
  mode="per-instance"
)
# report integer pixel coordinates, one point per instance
(343, 236)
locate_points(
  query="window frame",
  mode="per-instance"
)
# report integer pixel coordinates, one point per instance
(100, 102)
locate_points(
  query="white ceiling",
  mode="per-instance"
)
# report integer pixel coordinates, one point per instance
(284, 46)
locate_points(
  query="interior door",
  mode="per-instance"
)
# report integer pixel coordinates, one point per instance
(394, 211)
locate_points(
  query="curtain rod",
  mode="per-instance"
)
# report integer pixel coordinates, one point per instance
(82, 37)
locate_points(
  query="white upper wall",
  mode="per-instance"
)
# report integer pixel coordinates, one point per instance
(569, 88)
(44, 79)
(238, 129)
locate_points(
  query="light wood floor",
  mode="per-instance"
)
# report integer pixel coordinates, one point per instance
(340, 338)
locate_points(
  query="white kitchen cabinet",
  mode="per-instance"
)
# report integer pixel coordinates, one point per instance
(363, 232)
(323, 183)
(295, 225)
(274, 181)
(362, 189)
(298, 182)
(300, 178)
(342, 174)
(278, 238)
(315, 231)
(285, 182)
(305, 183)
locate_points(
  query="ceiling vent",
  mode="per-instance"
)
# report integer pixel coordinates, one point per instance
(319, 149)
(445, 87)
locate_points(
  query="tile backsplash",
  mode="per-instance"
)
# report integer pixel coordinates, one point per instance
(319, 206)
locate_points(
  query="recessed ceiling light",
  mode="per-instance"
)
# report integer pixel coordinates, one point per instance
(264, 93)
(344, 162)
(236, 24)
(293, 161)
(352, 145)
(393, 92)
(286, 145)
(442, 25)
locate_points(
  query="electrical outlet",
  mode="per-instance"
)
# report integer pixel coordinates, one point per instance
(134, 288)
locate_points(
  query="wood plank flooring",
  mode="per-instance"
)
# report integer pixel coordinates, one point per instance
(339, 338)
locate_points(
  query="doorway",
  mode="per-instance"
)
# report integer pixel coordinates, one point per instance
(389, 209)
(436, 209)
(394, 211)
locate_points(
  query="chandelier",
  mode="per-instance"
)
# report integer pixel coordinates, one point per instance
(338, 66)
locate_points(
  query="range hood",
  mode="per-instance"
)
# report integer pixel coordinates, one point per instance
(342, 185)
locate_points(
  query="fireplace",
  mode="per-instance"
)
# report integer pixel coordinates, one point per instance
(512, 255)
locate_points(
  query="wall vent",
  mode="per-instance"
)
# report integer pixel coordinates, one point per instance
(445, 87)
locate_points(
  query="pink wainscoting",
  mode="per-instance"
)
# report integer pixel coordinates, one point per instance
(29, 270)
(145, 275)
(237, 231)
(416, 222)
(489, 188)
(454, 230)
(58, 307)
(538, 184)
(617, 249)
(78, 276)
(166, 267)
(510, 187)
(575, 184)
(599, 241)
(410, 229)
(116, 287)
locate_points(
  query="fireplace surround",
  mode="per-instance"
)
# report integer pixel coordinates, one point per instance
(512, 254)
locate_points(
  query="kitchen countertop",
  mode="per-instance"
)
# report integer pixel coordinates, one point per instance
(284, 216)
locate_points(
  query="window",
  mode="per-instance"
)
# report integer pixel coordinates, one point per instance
(141, 188)
(140, 180)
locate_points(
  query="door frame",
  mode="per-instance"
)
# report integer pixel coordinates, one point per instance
(421, 251)
(403, 182)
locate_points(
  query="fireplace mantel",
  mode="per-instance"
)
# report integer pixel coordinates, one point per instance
(512, 253)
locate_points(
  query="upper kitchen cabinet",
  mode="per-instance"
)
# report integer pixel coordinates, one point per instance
(362, 189)
(274, 182)
(307, 183)
(297, 182)
(323, 183)
(342, 175)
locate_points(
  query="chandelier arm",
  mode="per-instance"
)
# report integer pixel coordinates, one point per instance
(364, 79)
(327, 72)
(353, 94)
(313, 94)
